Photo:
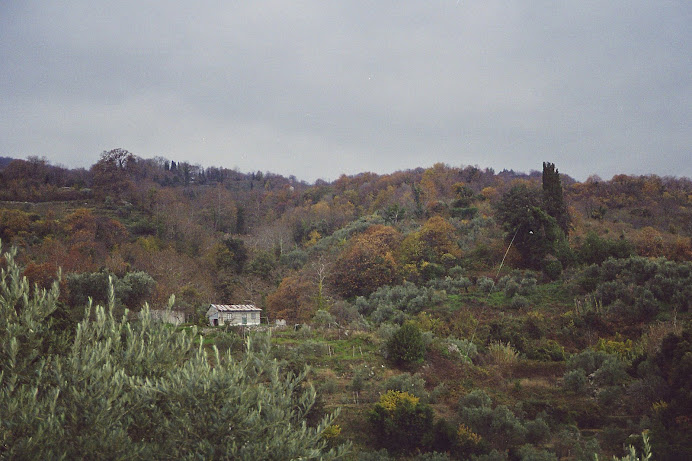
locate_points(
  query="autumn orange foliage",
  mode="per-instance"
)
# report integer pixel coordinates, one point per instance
(367, 263)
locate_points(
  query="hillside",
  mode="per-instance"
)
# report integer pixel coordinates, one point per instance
(522, 316)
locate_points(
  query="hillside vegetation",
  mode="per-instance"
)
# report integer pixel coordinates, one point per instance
(443, 313)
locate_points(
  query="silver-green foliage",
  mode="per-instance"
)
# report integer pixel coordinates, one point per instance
(498, 425)
(395, 303)
(406, 382)
(451, 285)
(140, 390)
(485, 284)
(575, 381)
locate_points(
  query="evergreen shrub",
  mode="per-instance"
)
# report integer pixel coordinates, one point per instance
(610, 373)
(546, 351)
(451, 285)
(406, 382)
(406, 347)
(537, 431)
(395, 302)
(527, 286)
(552, 268)
(401, 423)
(294, 259)
(588, 360)
(519, 302)
(511, 288)
(575, 381)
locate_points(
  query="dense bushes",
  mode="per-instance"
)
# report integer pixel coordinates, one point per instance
(392, 303)
(501, 428)
(575, 381)
(508, 331)
(485, 284)
(262, 264)
(519, 283)
(451, 285)
(340, 235)
(451, 248)
(294, 259)
(406, 346)
(595, 368)
(595, 250)
(125, 390)
(401, 422)
(535, 233)
(671, 435)
(131, 290)
(588, 360)
(498, 425)
(367, 263)
(637, 288)
(406, 382)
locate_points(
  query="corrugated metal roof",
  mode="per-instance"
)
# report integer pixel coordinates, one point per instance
(236, 307)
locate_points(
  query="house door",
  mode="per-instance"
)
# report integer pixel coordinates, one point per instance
(244, 319)
(216, 322)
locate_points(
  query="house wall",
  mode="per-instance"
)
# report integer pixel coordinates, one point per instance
(236, 318)
(213, 315)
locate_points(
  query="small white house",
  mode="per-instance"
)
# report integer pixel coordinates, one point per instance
(233, 314)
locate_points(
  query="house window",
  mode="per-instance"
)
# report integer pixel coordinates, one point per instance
(254, 316)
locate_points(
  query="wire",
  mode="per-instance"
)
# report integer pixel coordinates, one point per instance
(506, 252)
(473, 334)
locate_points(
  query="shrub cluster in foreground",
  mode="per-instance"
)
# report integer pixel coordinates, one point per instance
(122, 389)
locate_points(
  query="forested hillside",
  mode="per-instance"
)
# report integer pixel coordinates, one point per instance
(448, 312)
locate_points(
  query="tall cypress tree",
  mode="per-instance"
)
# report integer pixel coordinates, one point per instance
(553, 201)
(533, 231)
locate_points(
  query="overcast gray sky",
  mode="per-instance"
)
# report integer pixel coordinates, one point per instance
(320, 88)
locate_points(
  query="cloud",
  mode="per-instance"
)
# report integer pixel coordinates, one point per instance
(317, 89)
